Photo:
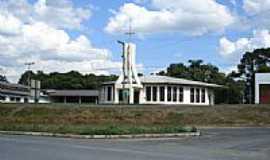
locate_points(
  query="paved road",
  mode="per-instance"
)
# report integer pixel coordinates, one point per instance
(227, 144)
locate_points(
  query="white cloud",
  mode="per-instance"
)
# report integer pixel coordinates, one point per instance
(8, 23)
(63, 12)
(253, 7)
(172, 16)
(235, 49)
(258, 12)
(59, 14)
(41, 37)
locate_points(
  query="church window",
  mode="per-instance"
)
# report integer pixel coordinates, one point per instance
(169, 94)
(109, 93)
(181, 94)
(154, 94)
(192, 95)
(198, 95)
(203, 96)
(148, 93)
(174, 94)
(121, 95)
(162, 94)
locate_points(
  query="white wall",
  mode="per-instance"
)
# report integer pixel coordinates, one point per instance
(143, 99)
(104, 97)
(186, 99)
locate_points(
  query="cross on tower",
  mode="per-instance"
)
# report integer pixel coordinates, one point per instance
(130, 32)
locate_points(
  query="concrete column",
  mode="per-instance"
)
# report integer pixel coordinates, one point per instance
(151, 94)
(131, 95)
(105, 94)
(142, 99)
(116, 95)
(257, 93)
(187, 95)
(158, 93)
(178, 94)
(213, 98)
(80, 100)
(112, 94)
(65, 100)
(166, 93)
(206, 96)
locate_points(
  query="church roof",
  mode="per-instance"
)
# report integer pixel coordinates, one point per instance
(154, 79)
(171, 80)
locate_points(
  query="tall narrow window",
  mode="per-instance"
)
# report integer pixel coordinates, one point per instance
(154, 94)
(181, 94)
(174, 94)
(169, 94)
(198, 96)
(121, 95)
(203, 96)
(162, 94)
(109, 93)
(192, 95)
(148, 93)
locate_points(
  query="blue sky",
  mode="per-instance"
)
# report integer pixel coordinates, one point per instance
(81, 34)
(161, 49)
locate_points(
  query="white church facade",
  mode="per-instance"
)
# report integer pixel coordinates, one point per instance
(160, 90)
(131, 89)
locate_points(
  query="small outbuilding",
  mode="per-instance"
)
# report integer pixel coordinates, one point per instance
(262, 88)
(73, 96)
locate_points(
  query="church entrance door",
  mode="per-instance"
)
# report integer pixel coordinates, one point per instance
(137, 97)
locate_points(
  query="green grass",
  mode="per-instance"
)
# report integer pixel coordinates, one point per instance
(96, 130)
(84, 119)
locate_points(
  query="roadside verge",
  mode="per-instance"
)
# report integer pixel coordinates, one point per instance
(46, 134)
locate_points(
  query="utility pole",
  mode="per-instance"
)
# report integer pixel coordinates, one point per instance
(29, 65)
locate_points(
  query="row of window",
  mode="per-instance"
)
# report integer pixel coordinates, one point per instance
(197, 95)
(174, 94)
(11, 99)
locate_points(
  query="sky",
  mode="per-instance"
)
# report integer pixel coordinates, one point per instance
(81, 35)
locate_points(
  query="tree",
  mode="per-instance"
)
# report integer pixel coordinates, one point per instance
(250, 64)
(69, 80)
(26, 77)
(3, 79)
(198, 71)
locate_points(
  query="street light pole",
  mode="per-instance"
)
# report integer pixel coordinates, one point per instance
(29, 64)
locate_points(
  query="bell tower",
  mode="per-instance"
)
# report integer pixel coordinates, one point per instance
(128, 85)
(128, 82)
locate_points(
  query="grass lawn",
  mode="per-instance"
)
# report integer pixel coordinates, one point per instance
(84, 119)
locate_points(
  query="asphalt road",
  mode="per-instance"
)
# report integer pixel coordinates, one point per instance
(214, 144)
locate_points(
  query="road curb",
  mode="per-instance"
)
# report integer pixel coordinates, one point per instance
(46, 134)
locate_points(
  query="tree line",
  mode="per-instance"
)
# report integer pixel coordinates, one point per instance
(70, 80)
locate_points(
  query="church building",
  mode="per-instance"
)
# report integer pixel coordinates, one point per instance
(132, 89)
